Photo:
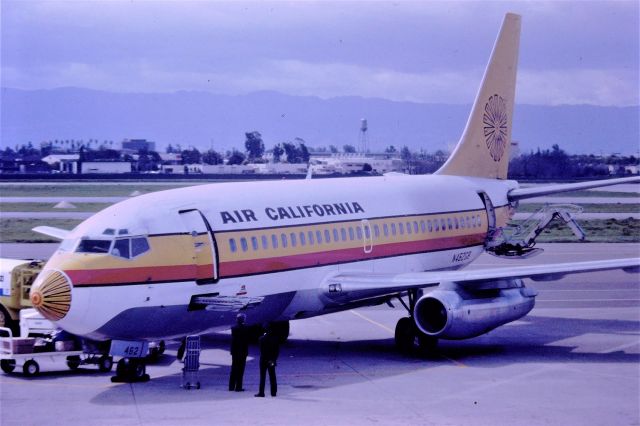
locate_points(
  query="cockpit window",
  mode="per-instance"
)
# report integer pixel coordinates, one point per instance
(139, 245)
(129, 248)
(94, 246)
(121, 248)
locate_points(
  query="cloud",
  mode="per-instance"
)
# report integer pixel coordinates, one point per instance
(571, 52)
(606, 87)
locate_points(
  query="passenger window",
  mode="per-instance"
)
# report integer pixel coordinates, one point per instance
(429, 226)
(311, 239)
(367, 232)
(455, 221)
(479, 220)
(335, 235)
(265, 242)
(121, 248)
(293, 239)
(139, 245)
(94, 246)
(254, 243)
(449, 223)
(327, 236)
(393, 229)
(443, 225)
(376, 231)
(343, 234)
(274, 241)
(359, 232)
(423, 226)
(401, 228)
(462, 222)
(232, 245)
(408, 227)
(351, 234)
(243, 244)
(468, 222)
(283, 238)
(415, 226)
(303, 240)
(319, 237)
(385, 227)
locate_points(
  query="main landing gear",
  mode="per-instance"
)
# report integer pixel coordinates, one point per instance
(409, 339)
(131, 370)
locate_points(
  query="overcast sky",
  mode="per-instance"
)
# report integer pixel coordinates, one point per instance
(572, 52)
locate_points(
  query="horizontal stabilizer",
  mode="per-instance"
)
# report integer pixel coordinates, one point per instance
(58, 233)
(539, 191)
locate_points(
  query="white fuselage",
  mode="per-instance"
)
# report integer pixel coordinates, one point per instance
(137, 268)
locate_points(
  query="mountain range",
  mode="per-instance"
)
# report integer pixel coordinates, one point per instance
(207, 120)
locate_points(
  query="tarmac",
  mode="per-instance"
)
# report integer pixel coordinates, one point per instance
(575, 359)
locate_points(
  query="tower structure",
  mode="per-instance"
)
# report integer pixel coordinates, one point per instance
(363, 140)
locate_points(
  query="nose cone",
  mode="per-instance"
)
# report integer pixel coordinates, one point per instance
(51, 295)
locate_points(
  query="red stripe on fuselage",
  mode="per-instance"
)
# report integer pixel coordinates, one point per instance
(131, 275)
(297, 261)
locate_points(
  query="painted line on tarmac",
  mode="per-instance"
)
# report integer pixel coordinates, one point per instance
(358, 314)
(620, 347)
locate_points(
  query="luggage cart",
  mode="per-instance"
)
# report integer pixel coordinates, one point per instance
(191, 363)
(14, 351)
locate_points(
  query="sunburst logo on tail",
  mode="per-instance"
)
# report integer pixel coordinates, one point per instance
(495, 126)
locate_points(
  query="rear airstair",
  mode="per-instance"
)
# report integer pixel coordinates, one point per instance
(519, 241)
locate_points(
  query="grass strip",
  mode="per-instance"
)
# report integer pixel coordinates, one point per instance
(19, 230)
(71, 190)
(49, 207)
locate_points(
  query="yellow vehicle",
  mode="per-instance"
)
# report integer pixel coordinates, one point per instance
(16, 278)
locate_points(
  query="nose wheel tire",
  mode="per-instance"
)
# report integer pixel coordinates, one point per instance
(131, 370)
(30, 368)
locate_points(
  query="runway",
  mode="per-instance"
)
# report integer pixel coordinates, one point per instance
(574, 360)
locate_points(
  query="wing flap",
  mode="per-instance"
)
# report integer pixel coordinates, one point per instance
(348, 287)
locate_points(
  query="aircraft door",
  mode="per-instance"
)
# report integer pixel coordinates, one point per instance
(367, 237)
(205, 256)
(491, 215)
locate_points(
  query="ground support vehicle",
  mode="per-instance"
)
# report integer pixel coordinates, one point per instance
(16, 278)
(19, 352)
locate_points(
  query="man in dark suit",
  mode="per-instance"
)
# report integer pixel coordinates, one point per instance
(269, 352)
(239, 352)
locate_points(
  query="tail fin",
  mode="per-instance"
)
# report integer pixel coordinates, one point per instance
(483, 149)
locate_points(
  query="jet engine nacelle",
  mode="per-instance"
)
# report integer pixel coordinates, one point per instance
(459, 313)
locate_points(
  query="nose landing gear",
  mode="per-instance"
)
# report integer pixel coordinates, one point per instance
(130, 370)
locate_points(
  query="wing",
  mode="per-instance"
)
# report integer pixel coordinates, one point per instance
(538, 191)
(351, 287)
(58, 233)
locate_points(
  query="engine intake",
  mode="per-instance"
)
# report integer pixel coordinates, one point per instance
(461, 314)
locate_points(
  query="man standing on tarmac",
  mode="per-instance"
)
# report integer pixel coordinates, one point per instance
(269, 352)
(239, 352)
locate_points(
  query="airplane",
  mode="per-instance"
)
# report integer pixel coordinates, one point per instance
(187, 261)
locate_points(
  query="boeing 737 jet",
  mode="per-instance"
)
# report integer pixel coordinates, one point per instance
(187, 261)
